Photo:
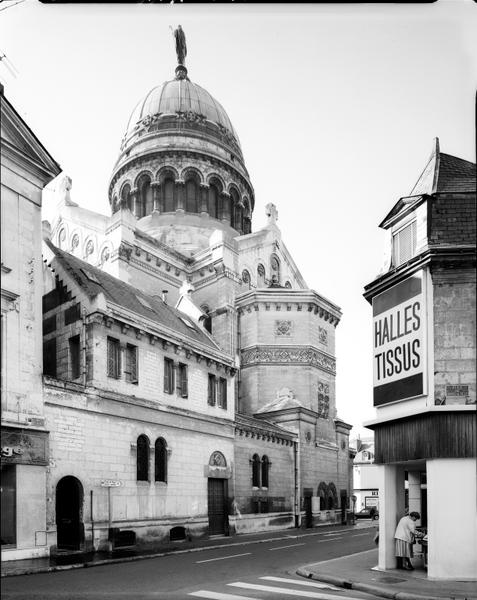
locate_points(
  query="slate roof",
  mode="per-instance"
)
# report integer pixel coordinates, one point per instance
(455, 175)
(94, 281)
(261, 424)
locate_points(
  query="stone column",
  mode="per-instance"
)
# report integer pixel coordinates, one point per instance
(414, 483)
(391, 509)
(204, 193)
(180, 189)
(134, 193)
(225, 202)
(156, 190)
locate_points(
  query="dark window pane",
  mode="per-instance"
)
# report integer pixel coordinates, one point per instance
(131, 364)
(160, 458)
(142, 458)
(114, 358)
(75, 357)
(256, 471)
(211, 396)
(49, 357)
(8, 504)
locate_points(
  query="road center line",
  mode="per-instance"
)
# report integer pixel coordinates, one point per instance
(358, 534)
(289, 546)
(328, 540)
(223, 557)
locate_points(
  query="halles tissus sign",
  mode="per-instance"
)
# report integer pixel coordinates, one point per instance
(398, 342)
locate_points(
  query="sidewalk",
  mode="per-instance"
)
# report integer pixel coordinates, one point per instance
(75, 561)
(357, 572)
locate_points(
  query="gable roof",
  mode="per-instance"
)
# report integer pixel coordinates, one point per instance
(443, 173)
(17, 137)
(94, 281)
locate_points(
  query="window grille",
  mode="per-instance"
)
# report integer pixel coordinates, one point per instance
(404, 244)
(211, 395)
(114, 358)
(182, 387)
(160, 460)
(75, 356)
(131, 370)
(142, 458)
(168, 376)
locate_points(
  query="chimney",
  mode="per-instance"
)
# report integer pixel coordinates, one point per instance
(164, 296)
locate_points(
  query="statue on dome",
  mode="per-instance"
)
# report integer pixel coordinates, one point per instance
(181, 47)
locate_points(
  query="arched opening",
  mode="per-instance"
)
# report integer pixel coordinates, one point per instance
(169, 204)
(275, 269)
(126, 200)
(234, 198)
(213, 199)
(247, 217)
(256, 470)
(160, 460)
(265, 470)
(177, 533)
(69, 513)
(192, 196)
(246, 279)
(323, 494)
(332, 496)
(144, 203)
(206, 318)
(238, 217)
(142, 458)
(260, 276)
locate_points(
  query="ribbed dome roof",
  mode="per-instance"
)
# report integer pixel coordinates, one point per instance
(180, 96)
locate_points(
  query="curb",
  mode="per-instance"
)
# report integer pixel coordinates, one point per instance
(108, 561)
(376, 590)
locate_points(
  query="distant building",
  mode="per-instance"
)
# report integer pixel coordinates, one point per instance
(365, 474)
(26, 167)
(424, 331)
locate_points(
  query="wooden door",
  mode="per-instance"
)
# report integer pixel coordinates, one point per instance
(217, 506)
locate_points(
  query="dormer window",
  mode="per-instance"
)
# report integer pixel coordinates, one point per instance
(404, 244)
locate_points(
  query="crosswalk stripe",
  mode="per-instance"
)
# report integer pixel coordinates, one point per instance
(305, 582)
(219, 596)
(290, 592)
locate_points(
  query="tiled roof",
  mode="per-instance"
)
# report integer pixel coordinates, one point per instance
(262, 424)
(94, 281)
(455, 175)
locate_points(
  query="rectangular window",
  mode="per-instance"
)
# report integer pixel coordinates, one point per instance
(168, 376)
(8, 505)
(404, 244)
(182, 387)
(49, 357)
(73, 313)
(75, 356)
(211, 395)
(131, 369)
(114, 358)
(222, 393)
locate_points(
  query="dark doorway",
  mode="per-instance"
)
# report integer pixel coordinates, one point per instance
(344, 504)
(217, 506)
(69, 505)
(308, 511)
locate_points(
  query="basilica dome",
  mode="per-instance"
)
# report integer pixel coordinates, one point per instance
(181, 157)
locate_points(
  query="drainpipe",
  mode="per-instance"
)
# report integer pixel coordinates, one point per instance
(238, 375)
(92, 519)
(83, 349)
(296, 455)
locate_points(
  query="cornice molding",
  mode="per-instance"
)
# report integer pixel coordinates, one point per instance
(288, 355)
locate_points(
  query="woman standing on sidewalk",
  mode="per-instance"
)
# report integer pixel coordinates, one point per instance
(404, 536)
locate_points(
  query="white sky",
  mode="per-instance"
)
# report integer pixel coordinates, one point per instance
(336, 107)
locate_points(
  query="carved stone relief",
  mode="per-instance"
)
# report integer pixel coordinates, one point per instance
(283, 328)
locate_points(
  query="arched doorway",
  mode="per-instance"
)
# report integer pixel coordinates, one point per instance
(69, 514)
(217, 494)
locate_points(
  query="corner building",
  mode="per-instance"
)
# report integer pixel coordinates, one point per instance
(181, 227)
(424, 367)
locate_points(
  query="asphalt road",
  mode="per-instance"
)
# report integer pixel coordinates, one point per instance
(224, 573)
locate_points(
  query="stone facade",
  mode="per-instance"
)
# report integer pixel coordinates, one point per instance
(26, 168)
(181, 203)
